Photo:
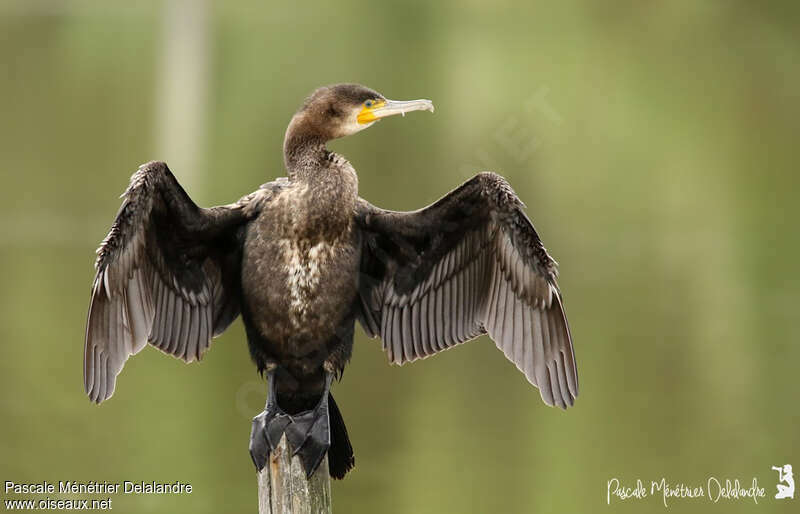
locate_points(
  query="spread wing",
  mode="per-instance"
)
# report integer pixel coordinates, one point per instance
(469, 264)
(167, 274)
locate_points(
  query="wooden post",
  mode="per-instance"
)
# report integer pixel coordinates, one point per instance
(283, 488)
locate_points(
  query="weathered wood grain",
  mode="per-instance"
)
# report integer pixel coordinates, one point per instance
(283, 488)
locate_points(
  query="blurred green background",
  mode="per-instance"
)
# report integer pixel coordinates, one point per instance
(655, 144)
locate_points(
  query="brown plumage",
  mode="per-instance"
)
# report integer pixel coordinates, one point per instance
(303, 257)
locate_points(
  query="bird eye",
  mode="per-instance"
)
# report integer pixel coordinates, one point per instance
(368, 103)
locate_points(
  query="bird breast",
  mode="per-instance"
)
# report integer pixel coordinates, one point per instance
(304, 264)
(300, 270)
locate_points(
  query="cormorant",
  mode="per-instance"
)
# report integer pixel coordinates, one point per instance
(303, 257)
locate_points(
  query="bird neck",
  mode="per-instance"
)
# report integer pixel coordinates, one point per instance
(304, 150)
(329, 185)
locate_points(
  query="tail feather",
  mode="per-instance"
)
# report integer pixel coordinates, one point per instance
(340, 454)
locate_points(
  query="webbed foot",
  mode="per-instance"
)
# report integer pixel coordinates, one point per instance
(308, 432)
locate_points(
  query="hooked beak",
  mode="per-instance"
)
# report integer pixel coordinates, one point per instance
(391, 107)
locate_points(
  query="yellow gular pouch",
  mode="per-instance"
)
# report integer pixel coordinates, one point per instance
(367, 114)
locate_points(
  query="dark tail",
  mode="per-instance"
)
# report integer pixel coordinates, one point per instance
(340, 454)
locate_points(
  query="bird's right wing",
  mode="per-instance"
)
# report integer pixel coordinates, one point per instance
(167, 273)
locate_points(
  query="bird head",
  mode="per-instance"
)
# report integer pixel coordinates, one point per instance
(343, 109)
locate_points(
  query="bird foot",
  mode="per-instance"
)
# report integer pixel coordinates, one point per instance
(265, 434)
(309, 435)
(308, 432)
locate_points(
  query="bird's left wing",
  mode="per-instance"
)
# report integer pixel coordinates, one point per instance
(469, 264)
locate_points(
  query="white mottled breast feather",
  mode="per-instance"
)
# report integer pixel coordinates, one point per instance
(304, 267)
